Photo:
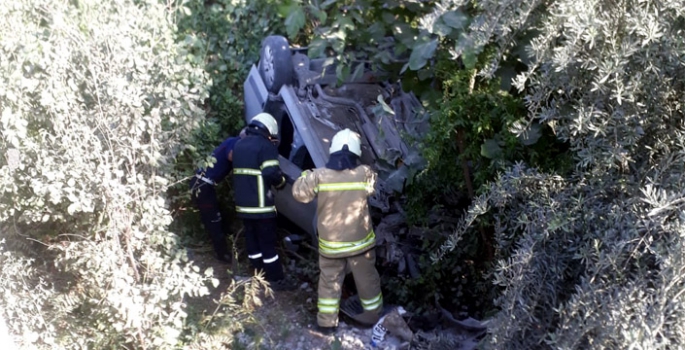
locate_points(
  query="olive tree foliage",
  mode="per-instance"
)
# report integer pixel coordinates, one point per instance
(94, 98)
(595, 259)
(591, 259)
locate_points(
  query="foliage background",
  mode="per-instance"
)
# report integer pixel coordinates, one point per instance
(97, 99)
(588, 247)
(591, 259)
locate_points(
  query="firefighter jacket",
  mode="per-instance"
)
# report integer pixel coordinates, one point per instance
(344, 224)
(220, 169)
(255, 171)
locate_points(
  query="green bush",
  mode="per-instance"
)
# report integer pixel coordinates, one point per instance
(107, 108)
(225, 37)
(95, 99)
(593, 259)
(22, 315)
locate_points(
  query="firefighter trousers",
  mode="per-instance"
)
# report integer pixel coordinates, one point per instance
(260, 241)
(204, 196)
(366, 278)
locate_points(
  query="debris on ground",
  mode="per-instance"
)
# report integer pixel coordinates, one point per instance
(396, 325)
(287, 320)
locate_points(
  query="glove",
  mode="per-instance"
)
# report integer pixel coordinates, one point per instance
(288, 179)
(306, 172)
(282, 184)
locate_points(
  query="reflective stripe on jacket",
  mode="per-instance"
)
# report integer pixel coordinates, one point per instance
(344, 224)
(255, 170)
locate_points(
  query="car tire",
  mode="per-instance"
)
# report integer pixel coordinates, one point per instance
(275, 62)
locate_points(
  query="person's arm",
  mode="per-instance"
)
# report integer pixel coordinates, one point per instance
(304, 188)
(271, 170)
(230, 145)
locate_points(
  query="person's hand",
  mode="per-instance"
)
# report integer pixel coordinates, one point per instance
(282, 184)
(288, 179)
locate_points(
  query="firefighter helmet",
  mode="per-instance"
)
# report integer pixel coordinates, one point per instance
(266, 122)
(349, 138)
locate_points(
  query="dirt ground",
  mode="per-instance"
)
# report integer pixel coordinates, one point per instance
(286, 320)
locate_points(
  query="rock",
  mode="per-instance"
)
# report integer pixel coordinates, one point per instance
(413, 267)
(388, 228)
(393, 254)
(417, 231)
(474, 324)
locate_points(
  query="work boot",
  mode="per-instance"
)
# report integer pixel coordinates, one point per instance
(283, 285)
(326, 330)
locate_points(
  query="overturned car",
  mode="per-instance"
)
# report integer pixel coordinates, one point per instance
(310, 105)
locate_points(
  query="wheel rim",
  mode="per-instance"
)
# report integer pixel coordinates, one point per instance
(269, 71)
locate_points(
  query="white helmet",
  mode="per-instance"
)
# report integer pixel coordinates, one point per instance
(266, 121)
(349, 138)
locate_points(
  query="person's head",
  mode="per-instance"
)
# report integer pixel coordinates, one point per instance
(346, 139)
(266, 123)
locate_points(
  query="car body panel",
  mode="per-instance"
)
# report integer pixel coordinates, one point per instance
(304, 122)
(303, 214)
(255, 94)
(312, 108)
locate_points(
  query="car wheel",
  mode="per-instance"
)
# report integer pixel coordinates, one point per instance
(275, 62)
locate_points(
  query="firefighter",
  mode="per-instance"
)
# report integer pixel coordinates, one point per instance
(256, 170)
(346, 237)
(203, 192)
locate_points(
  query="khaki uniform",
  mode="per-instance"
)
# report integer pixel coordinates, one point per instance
(346, 237)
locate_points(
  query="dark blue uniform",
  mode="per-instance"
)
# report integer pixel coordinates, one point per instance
(204, 196)
(256, 170)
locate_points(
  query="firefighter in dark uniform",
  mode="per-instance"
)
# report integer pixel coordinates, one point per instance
(346, 238)
(203, 192)
(256, 170)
